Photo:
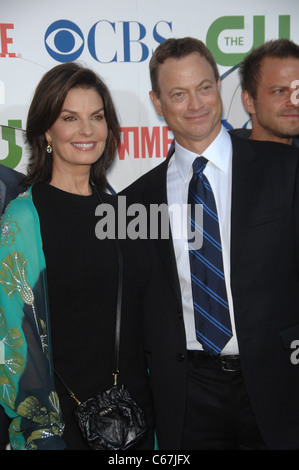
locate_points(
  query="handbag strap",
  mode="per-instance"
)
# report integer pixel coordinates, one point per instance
(118, 313)
(115, 370)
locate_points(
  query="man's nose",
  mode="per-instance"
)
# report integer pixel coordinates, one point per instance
(195, 101)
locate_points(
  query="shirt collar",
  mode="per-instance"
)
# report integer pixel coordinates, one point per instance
(218, 154)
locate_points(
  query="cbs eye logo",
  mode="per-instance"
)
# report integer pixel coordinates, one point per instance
(64, 41)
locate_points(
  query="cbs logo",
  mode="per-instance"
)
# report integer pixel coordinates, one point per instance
(124, 41)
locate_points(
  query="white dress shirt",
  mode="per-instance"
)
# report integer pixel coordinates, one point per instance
(219, 174)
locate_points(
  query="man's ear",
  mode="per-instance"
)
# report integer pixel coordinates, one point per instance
(156, 102)
(248, 102)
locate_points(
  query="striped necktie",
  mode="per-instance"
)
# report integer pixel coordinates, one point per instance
(212, 319)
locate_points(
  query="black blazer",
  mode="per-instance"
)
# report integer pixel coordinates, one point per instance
(265, 289)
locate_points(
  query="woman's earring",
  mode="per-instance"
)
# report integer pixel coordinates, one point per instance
(49, 148)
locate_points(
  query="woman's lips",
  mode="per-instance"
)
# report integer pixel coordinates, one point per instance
(84, 145)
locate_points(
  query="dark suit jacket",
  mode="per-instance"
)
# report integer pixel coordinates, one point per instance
(10, 185)
(245, 133)
(265, 289)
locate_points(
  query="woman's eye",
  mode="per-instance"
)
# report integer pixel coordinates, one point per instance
(69, 118)
(99, 117)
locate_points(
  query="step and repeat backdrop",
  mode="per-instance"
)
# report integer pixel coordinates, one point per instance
(116, 38)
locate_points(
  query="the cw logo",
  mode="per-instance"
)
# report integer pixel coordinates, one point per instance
(8, 133)
(237, 22)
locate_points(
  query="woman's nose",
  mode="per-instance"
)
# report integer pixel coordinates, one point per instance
(86, 127)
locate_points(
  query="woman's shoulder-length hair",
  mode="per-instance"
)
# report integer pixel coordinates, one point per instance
(45, 108)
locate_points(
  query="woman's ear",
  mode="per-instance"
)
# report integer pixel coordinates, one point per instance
(48, 137)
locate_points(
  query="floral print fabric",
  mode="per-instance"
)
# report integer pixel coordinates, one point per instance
(26, 371)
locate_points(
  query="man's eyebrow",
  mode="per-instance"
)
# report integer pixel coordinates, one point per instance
(273, 87)
(178, 87)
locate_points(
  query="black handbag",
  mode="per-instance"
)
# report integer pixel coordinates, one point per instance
(112, 420)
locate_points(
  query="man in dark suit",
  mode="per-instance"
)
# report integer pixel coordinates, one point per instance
(269, 80)
(245, 395)
(10, 187)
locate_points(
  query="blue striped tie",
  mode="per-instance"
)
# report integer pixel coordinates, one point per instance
(212, 320)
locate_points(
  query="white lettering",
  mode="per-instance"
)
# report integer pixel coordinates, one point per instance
(294, 99)
(295, 354)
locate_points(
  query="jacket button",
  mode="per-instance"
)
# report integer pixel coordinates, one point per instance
(180, 357)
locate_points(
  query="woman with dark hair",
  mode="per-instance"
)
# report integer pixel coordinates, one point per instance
(58, 281)
(45, 109)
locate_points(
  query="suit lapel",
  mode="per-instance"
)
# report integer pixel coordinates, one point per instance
(157, 190)
(245, 188)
